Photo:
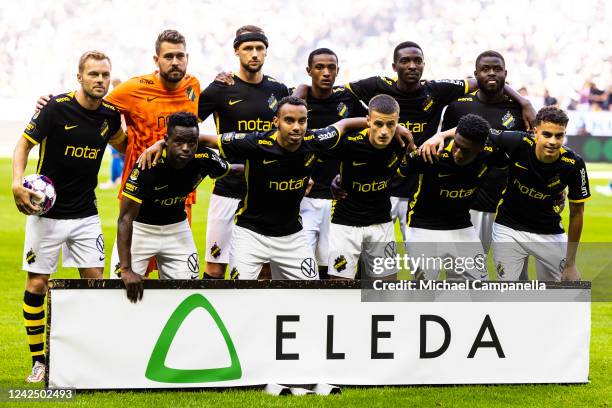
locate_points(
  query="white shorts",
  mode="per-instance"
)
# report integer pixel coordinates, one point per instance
(80, 240)
(316, 219)
(345, 248)
(290, 256)
(399, 211)
(483, 223)
(171, 245)
(219, 226)
(511, 249)
(459, 252)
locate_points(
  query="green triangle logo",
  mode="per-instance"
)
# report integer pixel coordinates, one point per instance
(157, 369)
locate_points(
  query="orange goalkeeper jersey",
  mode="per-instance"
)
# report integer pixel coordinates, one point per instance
(146, 105)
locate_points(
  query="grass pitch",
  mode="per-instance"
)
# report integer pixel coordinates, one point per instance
(16, 360)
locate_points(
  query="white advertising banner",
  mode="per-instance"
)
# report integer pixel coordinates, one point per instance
(241, 337)
(596, 123)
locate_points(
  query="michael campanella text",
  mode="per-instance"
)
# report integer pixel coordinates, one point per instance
(464, 285)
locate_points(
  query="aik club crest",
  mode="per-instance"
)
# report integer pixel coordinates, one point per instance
(342, 110)
(191, 94)
(508, 120)
(272, 102)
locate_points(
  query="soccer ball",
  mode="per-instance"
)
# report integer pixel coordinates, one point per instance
(44, 196)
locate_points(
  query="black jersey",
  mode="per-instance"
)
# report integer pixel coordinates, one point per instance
(242, 107)
(445, 191)
(162, 189)
(504, 115)
(72, 142)
(321, 113)
(528, 203)
(366, 174)
(420, 111)
(276, 179)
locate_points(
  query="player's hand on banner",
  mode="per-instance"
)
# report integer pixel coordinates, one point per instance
(404, 137)
(431, 148)
(570, 273)
(529, 115)
(133, 284)
(337, 192)
(23, 199)
(151, 155)
(309, 187)
(225, 78)
(42, 101)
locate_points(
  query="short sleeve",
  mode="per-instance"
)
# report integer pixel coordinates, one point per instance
(137, 185)
(324, 139)
(507, 141)
(364, 89)
(447, 90)
(41, 123)
(234, 144)
(207, 103)
(578, 183)
(216, 167)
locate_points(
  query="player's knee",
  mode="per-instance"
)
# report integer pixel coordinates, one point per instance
(216, 270)
(37, 283)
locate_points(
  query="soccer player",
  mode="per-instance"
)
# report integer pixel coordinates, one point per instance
(421, 104)
(146, 101)
(369, 159)
(152, 221)
(248, 105)
(73, 130)
(326, 104)
(502, 113)
(439, 226)
(278, 166)
(527, 222)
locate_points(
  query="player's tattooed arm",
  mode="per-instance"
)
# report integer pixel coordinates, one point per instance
(23, 196)
(133, 281)
(574, 230)
(432, 147)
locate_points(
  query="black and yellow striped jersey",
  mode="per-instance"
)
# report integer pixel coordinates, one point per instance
(276, 178)
(420, 111)
(366, 173)
(445, 190)
(503, 115)
(324, 112)
(72, 142)
(528, 204)
(242, 107)
(162, 189)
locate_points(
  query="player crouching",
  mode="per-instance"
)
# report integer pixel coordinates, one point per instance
(153, 223)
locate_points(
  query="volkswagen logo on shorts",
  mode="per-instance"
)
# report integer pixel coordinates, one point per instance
(193, 263)
(309, 268)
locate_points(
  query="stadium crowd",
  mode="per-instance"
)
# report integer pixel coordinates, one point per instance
(541, 53)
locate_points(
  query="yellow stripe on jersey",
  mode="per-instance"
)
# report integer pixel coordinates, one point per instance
(450, 146)
(42, 155)
(117, 138)
(246, 196)
(29, 139)
(579, 201)
(229, 168)
(131, 197)
(467, 86)
(501, 200)
(413, 202)
(216, 116)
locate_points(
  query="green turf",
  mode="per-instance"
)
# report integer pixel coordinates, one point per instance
(16, 361)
